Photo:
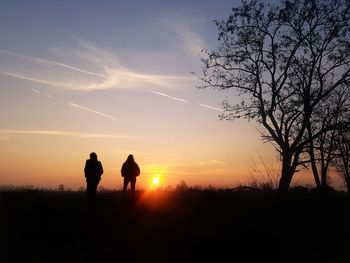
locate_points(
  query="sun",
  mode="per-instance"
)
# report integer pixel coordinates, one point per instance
(155, 180)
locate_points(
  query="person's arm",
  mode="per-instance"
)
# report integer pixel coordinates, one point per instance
(86, 168)
(137, 170)
(101, 169)
(122, 171)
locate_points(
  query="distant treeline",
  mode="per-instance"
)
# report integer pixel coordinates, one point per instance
(182, 187)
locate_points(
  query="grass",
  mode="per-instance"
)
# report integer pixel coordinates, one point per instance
(190, 226)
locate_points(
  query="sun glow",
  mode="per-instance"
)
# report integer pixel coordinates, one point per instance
(155, 180)
(156, 176)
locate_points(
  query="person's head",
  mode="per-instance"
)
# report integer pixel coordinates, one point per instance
(130, 157)
(93, 156)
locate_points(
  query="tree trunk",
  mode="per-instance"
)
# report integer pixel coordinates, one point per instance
(284, 182)
(314, 168)
(312, 156)
(286, 174)
(324, 181)
(347, 181)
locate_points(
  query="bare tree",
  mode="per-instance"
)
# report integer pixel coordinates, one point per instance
(282, 62)
(342, 160)
(341, 155)
(332, 112)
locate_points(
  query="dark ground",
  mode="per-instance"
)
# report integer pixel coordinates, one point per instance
(219, 226)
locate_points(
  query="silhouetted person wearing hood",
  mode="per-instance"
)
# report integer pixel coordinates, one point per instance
(93, 171)
(130, 170)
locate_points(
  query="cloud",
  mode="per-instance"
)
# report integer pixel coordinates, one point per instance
(210, 107)
(211, 163)
(92, 110)
(168, 96)
(39, 92)
(178, 30)
(110, 72)
(126, 79)
(67, 134)
(115, 75)
(50, 62)
(38, 80)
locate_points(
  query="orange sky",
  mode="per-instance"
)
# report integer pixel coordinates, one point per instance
(42, 159)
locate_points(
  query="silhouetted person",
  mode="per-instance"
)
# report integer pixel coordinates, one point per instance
(130, 170)
(93, 171)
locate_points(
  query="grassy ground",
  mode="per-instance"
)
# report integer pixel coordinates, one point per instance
(219, 226)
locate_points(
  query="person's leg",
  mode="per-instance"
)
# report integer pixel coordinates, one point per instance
(126, 182)
(133, 184)
(89, 187)
(94, 187)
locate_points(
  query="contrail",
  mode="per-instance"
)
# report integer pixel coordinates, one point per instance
(40, 60)
(92, 110)
(42, 81)
(168, 96)
(210, 107)
(66, 133)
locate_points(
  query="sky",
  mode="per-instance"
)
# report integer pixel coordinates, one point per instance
(114, 77)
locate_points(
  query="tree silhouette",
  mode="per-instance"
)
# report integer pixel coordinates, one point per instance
(283, 62)
(60, 188)
(341, 161)
(331, 112)
(181, 187)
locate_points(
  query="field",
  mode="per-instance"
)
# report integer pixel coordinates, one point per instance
(192, 226)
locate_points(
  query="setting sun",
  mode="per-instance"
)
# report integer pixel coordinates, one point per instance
(155, 180)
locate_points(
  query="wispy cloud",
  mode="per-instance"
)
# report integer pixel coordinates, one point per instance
(211, 163)
(92, 110)
(168, 96)
(110, 72)
(50, 62)
(38, 80)
(178, 30)
(115, 76)
(210, 107)
(67, 134)
(126, 79)
(39, 92)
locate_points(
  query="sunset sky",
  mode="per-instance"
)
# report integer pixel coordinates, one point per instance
(114, 77)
